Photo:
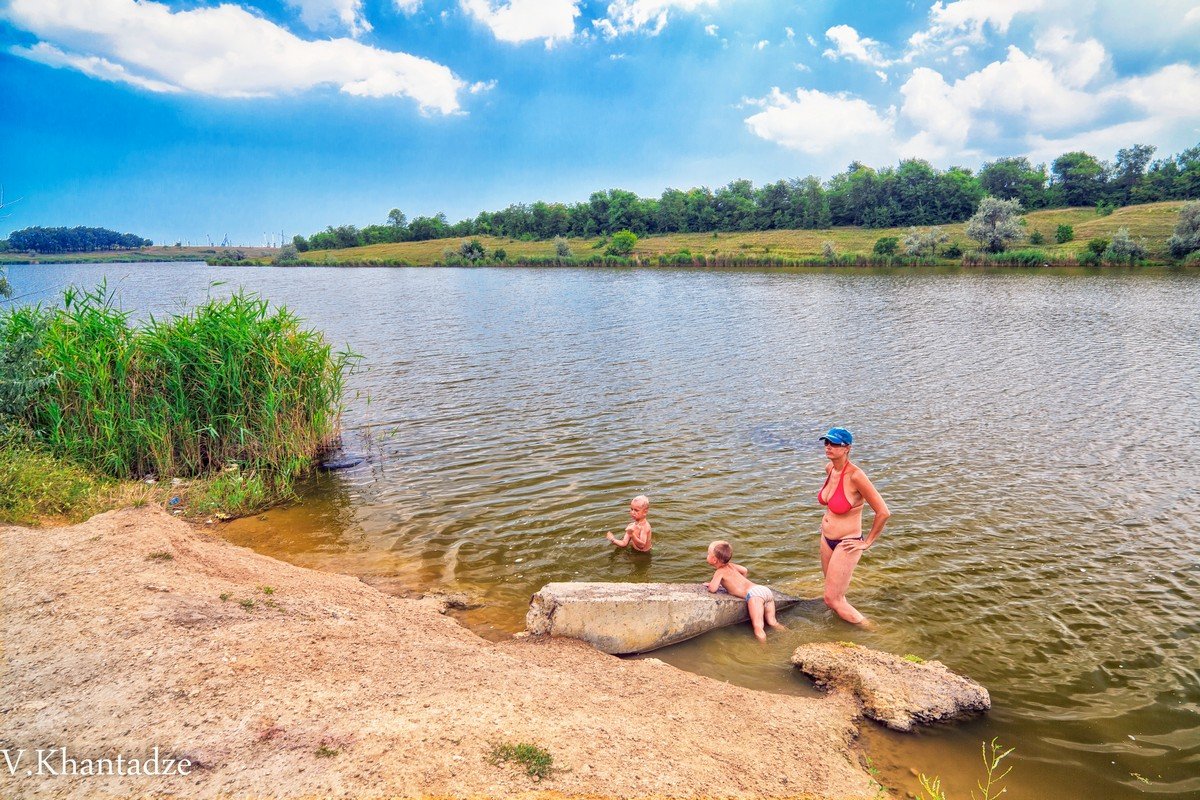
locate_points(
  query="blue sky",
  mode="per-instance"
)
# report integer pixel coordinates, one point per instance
(184, 120)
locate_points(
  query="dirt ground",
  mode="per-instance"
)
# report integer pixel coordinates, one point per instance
(135, 630)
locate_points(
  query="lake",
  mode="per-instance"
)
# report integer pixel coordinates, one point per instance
(1036, 436)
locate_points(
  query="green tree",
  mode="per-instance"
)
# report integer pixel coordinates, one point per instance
(1130, 169)
(1064, 234)
(886, 246)
(1015, 179)
(995, 224)
(1124, 248)
(472, 251)
(1079, 178)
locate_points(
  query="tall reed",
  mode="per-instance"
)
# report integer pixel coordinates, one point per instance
(230, 383)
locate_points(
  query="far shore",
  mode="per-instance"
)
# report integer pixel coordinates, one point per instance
(136, 630)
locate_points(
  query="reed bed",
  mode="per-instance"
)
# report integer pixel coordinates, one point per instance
(231, 390)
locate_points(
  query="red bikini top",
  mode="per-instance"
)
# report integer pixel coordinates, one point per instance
(837, 502)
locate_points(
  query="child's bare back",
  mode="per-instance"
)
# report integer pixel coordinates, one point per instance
(760, 601)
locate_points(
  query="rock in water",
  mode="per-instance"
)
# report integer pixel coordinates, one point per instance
(623, 618)
(898, 692)
(341, 462)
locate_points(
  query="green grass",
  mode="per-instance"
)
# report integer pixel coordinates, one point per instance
(157, 253)
(36, 486)
(913, 658)
(160, 555)
(538, 763)
(233, 394)
(1154, 221)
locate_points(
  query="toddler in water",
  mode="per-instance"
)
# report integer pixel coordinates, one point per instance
(637, 533)
(760, 601)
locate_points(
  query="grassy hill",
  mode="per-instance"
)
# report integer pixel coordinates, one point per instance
(1153, 221)
(157, 253)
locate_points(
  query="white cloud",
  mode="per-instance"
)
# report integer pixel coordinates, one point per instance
(407, 6)
(803, 67)
(761, 44)
(849, 45)
(811, 40)
(482, 86)
(524, 20)
(819, 123)
(711, 30)
(883, 76)
(1192, 17)
(968, 19)
(791, 34)
(631, 16)
(332, 14)
(223, 51)
(1076, 63)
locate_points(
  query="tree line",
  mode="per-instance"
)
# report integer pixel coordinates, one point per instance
(910, 193)
(72, 240)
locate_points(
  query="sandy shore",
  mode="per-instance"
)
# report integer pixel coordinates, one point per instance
(328, 687)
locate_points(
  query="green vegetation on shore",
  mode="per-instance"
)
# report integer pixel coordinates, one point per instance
(852, 245)
(232, 400)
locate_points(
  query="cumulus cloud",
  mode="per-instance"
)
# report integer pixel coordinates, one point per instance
(524, 20)
(761, 44)
(222, 51)
(407, 6)
(650, 16)
(849, 45)
(332, 14)
(968, 19)
(819, 123)
(711, 30)
(1076, 63)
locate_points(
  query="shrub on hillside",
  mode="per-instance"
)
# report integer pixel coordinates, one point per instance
(622, 243)
(886, 246)
(1064, 234)
(1124, 248)
(953, 250)
(1037, 238)
(924, 244)
(995, 224)
(1186, 238)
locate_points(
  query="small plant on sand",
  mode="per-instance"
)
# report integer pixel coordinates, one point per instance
(324, 751)
(538, 763)
(160, 555)
(267, 589)
(247, 604)
(993, 755)
(913, 658)
(224, 596)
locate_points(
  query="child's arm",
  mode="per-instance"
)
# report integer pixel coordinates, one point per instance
(715, 583)
(641, 538)
(739, 568)
(624, 540)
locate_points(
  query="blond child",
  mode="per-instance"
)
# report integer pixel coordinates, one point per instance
(637, 532)
(760, 601)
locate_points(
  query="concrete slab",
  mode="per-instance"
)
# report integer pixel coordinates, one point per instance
(624, 618)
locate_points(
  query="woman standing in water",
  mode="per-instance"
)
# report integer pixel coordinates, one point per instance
(845, 491)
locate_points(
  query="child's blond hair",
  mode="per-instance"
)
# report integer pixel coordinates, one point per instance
(722, 550)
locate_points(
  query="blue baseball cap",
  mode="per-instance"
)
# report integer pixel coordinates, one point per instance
(838, 436)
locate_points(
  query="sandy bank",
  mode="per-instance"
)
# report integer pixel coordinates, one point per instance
(328, 687)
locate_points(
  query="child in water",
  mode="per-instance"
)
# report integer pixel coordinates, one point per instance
(760, 601)
(637, 532)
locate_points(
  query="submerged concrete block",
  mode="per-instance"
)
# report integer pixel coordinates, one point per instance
(622, 618)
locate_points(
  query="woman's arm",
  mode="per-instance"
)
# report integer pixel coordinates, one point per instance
(872, 498)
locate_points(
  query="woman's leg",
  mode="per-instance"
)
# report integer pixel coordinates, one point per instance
(837, 580)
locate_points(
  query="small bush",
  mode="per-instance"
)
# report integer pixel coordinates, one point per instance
(886, 246)
(1064, 234)
(622, 243)
(1104, 208)
(1186, 238)
(1037, 238)
(561, 248)
(1124, 249)
(500, 255)
(35, 485)
(953, 250)
(1097, 246)
(829, 252)
(538, 763)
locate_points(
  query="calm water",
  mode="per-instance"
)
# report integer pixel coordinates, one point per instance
(1036, 436)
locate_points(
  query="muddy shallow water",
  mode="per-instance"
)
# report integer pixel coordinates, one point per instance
(1035, 435)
